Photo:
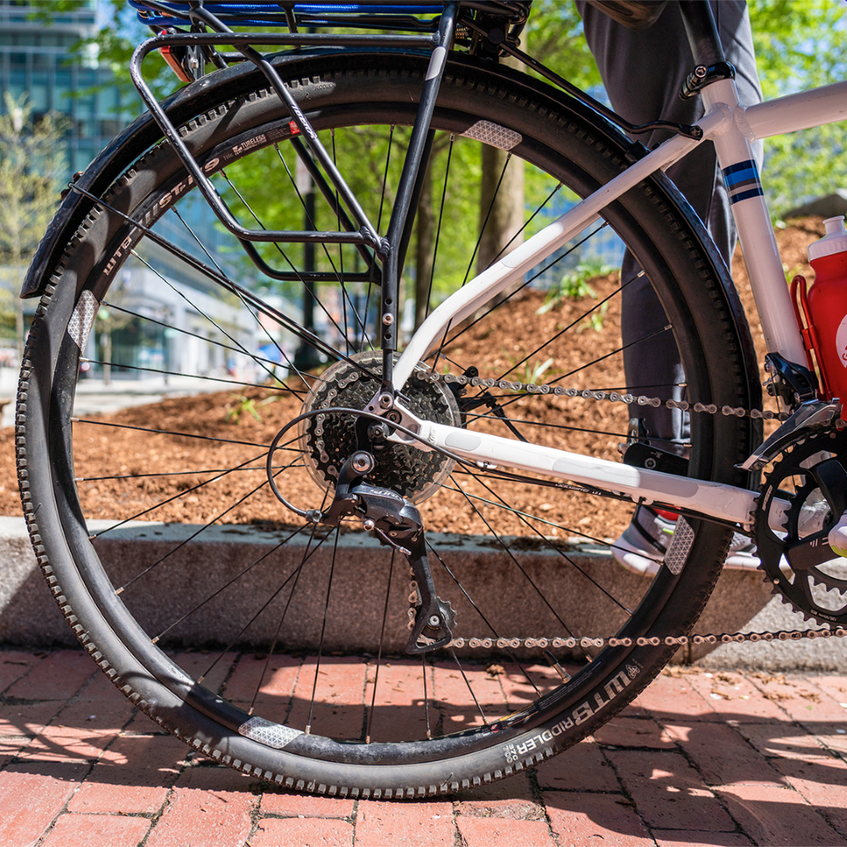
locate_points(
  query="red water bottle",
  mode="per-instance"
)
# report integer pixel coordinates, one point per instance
(827, 305)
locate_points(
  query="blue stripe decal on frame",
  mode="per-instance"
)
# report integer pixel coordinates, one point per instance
(742, 181)
(746, 195)
(740, 176)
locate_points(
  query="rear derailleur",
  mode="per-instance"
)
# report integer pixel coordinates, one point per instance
(396, 523)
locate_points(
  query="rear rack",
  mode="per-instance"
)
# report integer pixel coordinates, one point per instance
(397, 14)
(297, 16)
(410, 16)
(431, 28)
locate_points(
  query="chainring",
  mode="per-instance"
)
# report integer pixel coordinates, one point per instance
(810, 482)
(327, 440)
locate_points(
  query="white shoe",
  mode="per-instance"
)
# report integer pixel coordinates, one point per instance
(642, 546)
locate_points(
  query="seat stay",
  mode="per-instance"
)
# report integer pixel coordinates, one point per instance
(511, 268)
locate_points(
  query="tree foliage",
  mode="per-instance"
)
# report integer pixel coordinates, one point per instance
(798, 46)
(554, 37)
(32, 164)
(113, 42)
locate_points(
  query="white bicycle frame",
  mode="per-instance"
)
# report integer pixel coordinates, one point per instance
(732, 128)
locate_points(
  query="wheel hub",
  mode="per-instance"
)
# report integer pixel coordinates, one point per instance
(327, 440)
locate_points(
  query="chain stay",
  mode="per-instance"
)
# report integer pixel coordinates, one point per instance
(643, 641)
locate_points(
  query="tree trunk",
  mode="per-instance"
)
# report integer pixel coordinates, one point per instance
(424, 248)
(501, 201)
(19, 325)
(501, 204)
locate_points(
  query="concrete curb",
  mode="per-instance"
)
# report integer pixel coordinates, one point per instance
(29, 617)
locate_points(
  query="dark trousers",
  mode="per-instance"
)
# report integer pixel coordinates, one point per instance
(643, 72)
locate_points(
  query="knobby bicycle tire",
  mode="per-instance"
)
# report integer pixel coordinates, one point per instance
(116, 606)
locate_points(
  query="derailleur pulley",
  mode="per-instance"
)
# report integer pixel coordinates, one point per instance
(396, 523)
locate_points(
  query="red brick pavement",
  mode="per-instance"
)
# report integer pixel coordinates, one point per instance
(700, 758)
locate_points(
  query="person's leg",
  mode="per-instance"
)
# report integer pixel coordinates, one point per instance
(643, 72)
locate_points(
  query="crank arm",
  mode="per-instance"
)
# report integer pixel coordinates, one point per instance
(809, 553)
(814, 550)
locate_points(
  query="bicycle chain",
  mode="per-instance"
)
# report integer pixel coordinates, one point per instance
(644, 641)
(587, 642)
(610, 396)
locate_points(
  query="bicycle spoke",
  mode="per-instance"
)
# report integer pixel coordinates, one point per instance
(564, 331)
(525, 519)
(486, 622)
(212, 321)
(190, 538)
(323, 633)
(228, 584)
(487, 217)
(339, 272)
(372, 711)
(260, 360)
(437, 239)
(295, 575)
(306, 556)
(426, 698)
(271, 561)
(505, 548)
(153, 431)
(469, 687)
(479, 416)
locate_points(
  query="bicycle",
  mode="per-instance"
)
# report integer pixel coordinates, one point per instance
(367, 435)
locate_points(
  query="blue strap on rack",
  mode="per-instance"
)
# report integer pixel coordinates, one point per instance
(272, 15)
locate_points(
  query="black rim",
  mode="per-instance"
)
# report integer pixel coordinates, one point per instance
(317, 746)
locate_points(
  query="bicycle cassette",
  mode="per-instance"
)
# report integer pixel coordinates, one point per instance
(804, 495)
(327, 440)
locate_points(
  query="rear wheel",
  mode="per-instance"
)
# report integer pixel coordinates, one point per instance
(156, 525)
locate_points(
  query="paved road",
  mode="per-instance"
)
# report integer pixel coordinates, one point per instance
(94, 396)
(700, 759)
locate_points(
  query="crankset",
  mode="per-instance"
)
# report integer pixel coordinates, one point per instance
(809, 482)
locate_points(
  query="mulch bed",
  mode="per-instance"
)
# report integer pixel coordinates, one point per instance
(495, 345)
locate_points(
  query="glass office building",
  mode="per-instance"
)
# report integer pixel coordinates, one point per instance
(34, 60)
(38, 59)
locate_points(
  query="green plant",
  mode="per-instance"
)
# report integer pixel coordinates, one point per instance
(574, 284)
(595, 319)
(243, 404)
(533, 374)
(792, 272)
(530, 373)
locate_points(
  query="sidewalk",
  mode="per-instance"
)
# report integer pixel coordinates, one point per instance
(93, 396)
(701, 758)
